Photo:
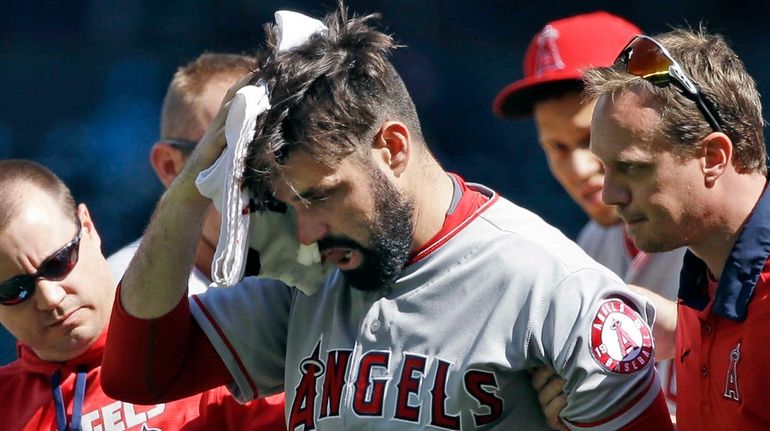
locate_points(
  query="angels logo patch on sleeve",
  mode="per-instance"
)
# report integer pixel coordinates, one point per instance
(621, 341)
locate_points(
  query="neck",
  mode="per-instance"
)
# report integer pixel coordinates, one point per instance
(735, 200)
(432, 197)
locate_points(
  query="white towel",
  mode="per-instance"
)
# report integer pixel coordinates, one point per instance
(271, 234)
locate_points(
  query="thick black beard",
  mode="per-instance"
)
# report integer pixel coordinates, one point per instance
(391, 238)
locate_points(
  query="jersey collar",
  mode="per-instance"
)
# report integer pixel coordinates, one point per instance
(741, 272)
(468, 201)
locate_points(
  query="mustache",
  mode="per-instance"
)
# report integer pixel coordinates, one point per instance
(338, 242)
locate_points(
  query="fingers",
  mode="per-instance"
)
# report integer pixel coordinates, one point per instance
(240, 83)
(213, 142)
(550, 395)
(219, 120)
(550, 391)
(542, 376)
(552, 401)
(210, 146)
(218, 123)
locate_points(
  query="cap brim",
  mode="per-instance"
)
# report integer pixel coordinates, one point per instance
(516, 100)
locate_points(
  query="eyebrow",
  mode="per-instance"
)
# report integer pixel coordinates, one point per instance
(633, 162)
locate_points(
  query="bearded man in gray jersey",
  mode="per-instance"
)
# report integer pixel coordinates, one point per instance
(443, 296)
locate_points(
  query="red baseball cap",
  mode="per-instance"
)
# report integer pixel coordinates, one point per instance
(559, 52)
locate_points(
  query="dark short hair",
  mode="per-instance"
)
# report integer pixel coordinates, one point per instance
(329, 96)
(723, 80)
(15, 172)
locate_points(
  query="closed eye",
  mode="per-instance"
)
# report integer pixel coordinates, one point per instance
(317, 198)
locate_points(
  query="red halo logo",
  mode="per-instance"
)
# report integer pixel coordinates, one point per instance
(621, 341)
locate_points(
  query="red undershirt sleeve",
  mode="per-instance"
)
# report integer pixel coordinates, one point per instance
(158, 360)
(656, 417)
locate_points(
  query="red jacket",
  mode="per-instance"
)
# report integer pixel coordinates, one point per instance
(33, 391)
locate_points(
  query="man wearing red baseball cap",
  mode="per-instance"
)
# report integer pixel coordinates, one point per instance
(551, 93)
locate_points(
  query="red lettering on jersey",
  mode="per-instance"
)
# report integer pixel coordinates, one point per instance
(482, 386)
(440, 417)
(303, 407)
(409, 384)
(120, 415)
(370, 402)
(334, 382)
(370, 388)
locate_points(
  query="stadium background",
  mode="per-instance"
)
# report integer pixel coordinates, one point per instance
(82, 83)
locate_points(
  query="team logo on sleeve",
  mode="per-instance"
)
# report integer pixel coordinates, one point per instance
(621, 341)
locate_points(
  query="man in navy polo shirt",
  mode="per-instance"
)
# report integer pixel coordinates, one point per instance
(678, 126)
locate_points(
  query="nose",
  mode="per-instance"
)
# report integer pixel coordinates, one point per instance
(309, 229)
(48, 294)
(614, 192)
(584, 164)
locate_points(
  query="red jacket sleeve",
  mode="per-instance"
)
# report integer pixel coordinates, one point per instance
(158, 360)
(264, 414)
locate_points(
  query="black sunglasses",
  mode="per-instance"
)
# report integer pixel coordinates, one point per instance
(182, 145)
(646, 58)
(55, 267)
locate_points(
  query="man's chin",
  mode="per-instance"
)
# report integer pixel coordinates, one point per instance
(652, 245)
(364, 283)
(368, 279)
(604, 215)
(607, 220)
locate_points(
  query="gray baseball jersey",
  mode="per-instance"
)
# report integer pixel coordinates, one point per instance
(658, 272)
(449, 346)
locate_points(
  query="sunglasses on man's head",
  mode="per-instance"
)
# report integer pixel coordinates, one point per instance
(648, 59)
(55, 267)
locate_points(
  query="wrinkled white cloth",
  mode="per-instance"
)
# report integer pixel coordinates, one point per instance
(271, 234)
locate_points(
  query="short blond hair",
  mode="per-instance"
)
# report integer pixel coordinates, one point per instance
(188, 85)
(723, 80)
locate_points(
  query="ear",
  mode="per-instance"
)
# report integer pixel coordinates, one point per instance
(87, 224)
(716, 156)
(394, 146)
(166, 161)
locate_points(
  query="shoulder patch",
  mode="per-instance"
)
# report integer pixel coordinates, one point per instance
(621, 341)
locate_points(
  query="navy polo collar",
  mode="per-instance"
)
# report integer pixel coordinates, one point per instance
(741, 272)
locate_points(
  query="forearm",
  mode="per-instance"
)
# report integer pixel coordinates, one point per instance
(157, 278)
(664, 329)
